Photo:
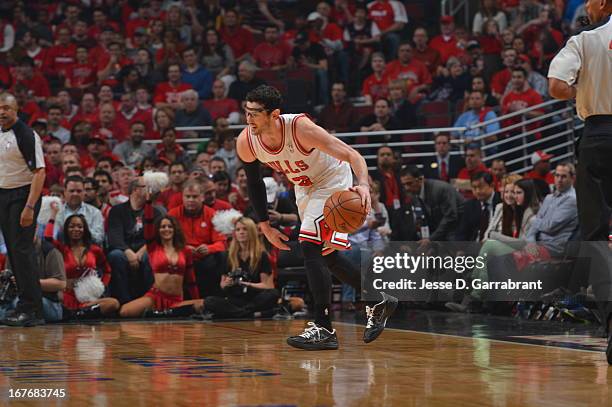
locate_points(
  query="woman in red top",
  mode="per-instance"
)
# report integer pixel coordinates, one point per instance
(81, 255)
(172, 266)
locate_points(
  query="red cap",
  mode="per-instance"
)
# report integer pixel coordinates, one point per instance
(447, 20)
(540, 156)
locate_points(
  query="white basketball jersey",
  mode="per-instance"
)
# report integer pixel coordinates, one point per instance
(303, 168)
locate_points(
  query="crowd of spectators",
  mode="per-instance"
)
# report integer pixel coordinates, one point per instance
(98, 80)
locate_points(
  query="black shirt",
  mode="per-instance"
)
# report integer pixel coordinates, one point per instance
(126, 227)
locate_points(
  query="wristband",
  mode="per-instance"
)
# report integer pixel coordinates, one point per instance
(51, 220)
(27, 205)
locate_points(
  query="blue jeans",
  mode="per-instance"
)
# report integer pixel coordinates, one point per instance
(127, 284)
(52, 311)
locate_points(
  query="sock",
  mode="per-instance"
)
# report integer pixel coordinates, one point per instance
(321, 312)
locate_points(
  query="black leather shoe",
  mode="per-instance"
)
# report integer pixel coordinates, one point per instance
(23, 319)
(378, 316)
(314, 338)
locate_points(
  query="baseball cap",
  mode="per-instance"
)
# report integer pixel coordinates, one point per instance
(473, 44)
(540, 156)
(271, 188)
(447, 20)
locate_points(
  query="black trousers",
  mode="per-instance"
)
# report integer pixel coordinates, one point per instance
(594, 196)
(20, 247)
(242, 307)
(208, 275)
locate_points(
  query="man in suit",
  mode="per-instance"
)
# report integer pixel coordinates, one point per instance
(442, 205)
(442, 166)
(478, 211)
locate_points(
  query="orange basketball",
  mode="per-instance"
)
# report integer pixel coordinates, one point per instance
(343, 211)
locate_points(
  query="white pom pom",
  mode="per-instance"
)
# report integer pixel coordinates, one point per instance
(223, 221)
(88, 288)
(156, 181)
(45, 208)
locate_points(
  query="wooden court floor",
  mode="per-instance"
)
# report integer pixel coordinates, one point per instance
(187, 363)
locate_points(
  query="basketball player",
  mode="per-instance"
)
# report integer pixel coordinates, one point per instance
(318, 164)
(583, 70)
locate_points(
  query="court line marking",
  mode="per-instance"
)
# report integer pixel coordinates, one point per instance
(472, 338)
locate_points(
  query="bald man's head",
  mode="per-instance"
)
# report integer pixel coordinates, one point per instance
(8, 110)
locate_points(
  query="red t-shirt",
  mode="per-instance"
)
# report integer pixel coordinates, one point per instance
(383, 14)
(200, 230)
(38, 85)
(500, 80)
(82, 75)
(59, 59)
(414, 73)
(330, 32)
(221, 108)
(241, 41)
(165, 92)
(268, 56)
(446, 48)
(521, 100)
(376, 88)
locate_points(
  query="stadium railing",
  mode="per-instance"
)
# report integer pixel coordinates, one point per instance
(553, 132)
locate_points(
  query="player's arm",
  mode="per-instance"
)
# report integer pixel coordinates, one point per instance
(312, 136)
(257, 191)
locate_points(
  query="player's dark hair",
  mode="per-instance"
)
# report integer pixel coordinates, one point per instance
(267, 96)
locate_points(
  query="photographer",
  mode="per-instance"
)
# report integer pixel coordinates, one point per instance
(50, 265)
(247, 284)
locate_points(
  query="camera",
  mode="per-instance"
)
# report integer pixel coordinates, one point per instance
(8, 287)
(238, 275)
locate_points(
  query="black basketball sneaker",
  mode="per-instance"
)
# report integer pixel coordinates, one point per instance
(378, 316)
(314, 338)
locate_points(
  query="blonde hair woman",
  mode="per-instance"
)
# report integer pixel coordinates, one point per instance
(247, 281)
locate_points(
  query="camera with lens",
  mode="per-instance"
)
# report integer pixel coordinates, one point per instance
(8, 287)
(238, 275)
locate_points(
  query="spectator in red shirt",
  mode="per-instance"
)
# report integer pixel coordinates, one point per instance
(178, 175)
(272, 53)
(446, 42)
(238, 38)
(541, 167)
(87, 109)
(106, 124)
(82, 74)
(105, 95)
(69, 110)
(110, 66)
(60, 56)
(34, 81)
(169, 93)
(97, 147)
(129, 113)
(221, 106)
(168, 149)
(71, 16)
(100, 52)
(30, 42)
(390, 17)
(376, 86)
(423, 52)
(340, 115)
(201, 237)
(80, 35)
(53, 161)
(218, 185)
(501, 79)
(361, 37)
(473, 165)
(140, 21)
(101, 24)
(28, 108)
(521, 97)
(410, 70)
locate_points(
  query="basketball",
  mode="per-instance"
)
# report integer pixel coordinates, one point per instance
(343, 211)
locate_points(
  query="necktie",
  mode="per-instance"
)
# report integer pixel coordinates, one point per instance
(443, 171)
(484, 220)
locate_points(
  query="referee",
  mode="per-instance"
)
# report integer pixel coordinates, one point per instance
(22, 175)
(583, 69)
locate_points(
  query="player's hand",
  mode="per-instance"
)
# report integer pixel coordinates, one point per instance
(364, 193)
(27, 217)
(274, 236)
